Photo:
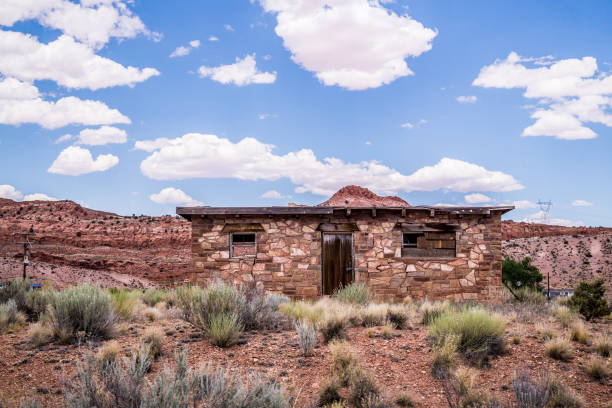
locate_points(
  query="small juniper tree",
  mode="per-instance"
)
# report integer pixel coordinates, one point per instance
(521, 274)
(589, 299)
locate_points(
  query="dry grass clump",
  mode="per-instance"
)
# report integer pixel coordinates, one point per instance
(125, 302)
(364, 392)
(153, 339)
(444, 356)
(354, 293)
(151, 314)
(598, 369)
(223, 330)
(603, 345)
(108, 353)
(303, 310)
(40, 334)
(10, 316)
(333, 328)
(401, 316)
(545, 330)
(579, 333)
(460, 392)
(329, 394)
(343, 361)
(307, 337)
(564, 314)
(387, 331)
(559, 348)
(432, 310)
(152, 296)
(406, 400)
(374, 314)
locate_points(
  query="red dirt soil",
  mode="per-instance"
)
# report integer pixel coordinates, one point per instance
(400, 364)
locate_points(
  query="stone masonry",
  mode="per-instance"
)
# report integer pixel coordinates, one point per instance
(288, 256)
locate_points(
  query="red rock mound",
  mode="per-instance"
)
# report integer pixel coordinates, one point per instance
(355, 196)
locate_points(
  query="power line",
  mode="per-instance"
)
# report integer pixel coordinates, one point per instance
(545, 208)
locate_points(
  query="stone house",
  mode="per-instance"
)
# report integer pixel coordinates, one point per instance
(305, 252)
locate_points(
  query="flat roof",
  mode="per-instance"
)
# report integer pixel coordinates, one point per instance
(188, 212)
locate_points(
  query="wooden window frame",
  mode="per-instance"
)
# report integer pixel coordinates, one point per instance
(254, 244)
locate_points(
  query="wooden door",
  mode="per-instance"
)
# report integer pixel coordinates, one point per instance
(337, 261)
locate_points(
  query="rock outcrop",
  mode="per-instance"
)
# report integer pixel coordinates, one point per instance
(355, 196)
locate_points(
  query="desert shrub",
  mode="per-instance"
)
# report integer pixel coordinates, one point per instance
(479, 332)
(124, 302)
(307, 336)
(522, 273)
(224, 329)
(10, 315)
(530, 296)
(460, 392)
(362, 388)
(111, 385)
(398, 317)
(598, 368)
(374, 314)
(40, 334)
(151, 314)
(544, 391)
(37, 302)
(406, 400)
(545, 330)
(603, 345)
(261, 310)
(16, 291)
(329, 392)
(559, 348)
(188, 299)
(530, 393)
(579, 333)
(333, 328)
(153, 339)
(589, 299)
(108, 353)
(376, 401)
(356, 293)
(444, 356)
(432, 311)
(387, 331)
(84, 308)
(344, 362)
(302, 310)
(153, 296)
(564, 314)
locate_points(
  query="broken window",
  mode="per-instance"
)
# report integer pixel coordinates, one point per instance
(243, 244)
(429, 244)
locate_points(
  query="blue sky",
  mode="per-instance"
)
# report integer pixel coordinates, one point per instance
(276, 101)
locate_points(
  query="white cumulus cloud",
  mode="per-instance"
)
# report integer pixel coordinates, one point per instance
(171, 195)
(581, 203)
(39, 197)
(467, 99)
(208, 156)
(92, 22)
(75, 160)
(524, 204)
(242, 72)
(354, 44)
(272, 194)
(477, 198)
(569, 92)
(8, 191)
(102, 136)
(21, 102)
(212, 38)
(65, 61)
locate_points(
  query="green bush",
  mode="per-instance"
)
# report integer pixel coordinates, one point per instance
(307, 336)
(37, 302)
(522, 271)
(17, 291)
(589, 299)
(544, 392)
(479, 333)
(124, 302)
(224, 329)
(85, 308)
(355, 293)
(154, 296)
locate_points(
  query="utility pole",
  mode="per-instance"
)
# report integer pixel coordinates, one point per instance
(545, 209)
(27, 244)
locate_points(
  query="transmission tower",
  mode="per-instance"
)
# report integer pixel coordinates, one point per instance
(545, 208)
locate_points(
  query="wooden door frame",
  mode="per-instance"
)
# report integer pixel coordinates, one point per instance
(323, 255)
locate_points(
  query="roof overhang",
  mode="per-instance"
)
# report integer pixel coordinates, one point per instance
(189, 212)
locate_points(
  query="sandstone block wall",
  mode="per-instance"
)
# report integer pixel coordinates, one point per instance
(289, 256)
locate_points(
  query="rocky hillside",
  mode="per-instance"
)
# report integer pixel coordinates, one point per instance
(356, 196)
(512, 230)
(68, 234)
